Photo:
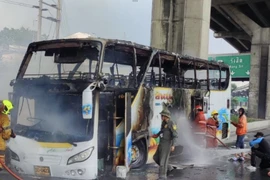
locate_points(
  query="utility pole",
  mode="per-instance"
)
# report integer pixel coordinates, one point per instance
(58, 17)
(39, 20)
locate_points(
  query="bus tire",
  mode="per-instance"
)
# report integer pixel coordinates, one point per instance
(8, 157)
(139, 147)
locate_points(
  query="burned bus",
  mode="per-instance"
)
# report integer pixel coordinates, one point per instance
(85, 104)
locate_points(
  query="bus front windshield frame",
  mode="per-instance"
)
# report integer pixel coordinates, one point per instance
(52, 118)
(47, 93)
(62, 60)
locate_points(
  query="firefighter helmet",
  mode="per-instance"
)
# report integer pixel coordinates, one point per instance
(198, 107)
(214, 113)
(8, 106)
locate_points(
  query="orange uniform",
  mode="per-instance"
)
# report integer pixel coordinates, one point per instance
(241, 126)
(211, 131)
(200, 122)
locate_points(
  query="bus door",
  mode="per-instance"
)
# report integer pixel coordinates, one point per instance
(128, 131)
(122, 142)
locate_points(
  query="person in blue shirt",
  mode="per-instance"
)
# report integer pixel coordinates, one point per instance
(260, 148)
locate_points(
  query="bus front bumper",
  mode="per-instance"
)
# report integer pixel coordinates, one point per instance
(75, 171)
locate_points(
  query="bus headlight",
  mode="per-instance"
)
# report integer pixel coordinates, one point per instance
(14, 156)
(80, 157)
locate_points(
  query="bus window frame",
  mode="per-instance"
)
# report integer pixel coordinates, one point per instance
(181, 63)
(134, 68)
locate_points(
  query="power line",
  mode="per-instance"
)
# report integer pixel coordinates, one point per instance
(57, 20)
(17, 3)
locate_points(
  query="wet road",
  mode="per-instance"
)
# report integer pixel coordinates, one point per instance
(219, 169)
(222, 169)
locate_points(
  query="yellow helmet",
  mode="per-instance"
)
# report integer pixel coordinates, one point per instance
(7, 106)
(214, 112)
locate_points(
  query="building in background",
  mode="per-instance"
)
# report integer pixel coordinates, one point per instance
(240, 97)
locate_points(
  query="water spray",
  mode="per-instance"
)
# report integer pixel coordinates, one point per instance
(196, 154)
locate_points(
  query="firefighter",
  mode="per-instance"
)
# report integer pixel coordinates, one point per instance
(168, 135)
(5, 131)
(200, 121)
(199, 126)
(211, 129)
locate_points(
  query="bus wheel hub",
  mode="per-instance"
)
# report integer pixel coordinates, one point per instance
(135, 153)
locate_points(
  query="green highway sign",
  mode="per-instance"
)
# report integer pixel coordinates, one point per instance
(239, 63)
(242, 99)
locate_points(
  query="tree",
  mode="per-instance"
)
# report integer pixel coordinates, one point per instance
(20, 37)
(233, 87)
(234, 102)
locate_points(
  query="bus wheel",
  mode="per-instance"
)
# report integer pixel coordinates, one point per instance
(8, 157)
(139, 154)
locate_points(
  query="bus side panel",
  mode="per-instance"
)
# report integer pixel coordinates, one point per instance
(137, 110)
(120, 142)
(221, 101)
(128, 132)
(159, 95)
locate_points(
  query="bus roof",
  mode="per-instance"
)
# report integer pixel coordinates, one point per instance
(122, 45)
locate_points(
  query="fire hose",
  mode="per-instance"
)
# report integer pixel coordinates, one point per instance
(215, 137)
(9, 171)
(13, 135)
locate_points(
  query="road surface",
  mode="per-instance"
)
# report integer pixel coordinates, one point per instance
(218, 169)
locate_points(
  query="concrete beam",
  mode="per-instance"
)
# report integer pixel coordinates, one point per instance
(221, 11)
(243, 44)
(244, 22)
(258, 14)
(268, 4)
(224, 2)
(237, 35)
(219, 23)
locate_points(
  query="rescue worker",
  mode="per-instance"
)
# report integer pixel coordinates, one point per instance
(241, 130)
(200, 121)
(260, 148)
(211, 130)
(168, 135)
(5, 131)
(199, 126)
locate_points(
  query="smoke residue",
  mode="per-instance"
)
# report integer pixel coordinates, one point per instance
(9, 66)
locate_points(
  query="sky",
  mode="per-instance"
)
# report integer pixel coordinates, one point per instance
(121, 19)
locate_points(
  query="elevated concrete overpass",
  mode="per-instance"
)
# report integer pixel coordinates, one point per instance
(241, 91)
(182, 26)
(236, 20)
(245, 24)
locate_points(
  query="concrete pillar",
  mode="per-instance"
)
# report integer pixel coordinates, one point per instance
(259, 81)
(181, 26)
(266, 57)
